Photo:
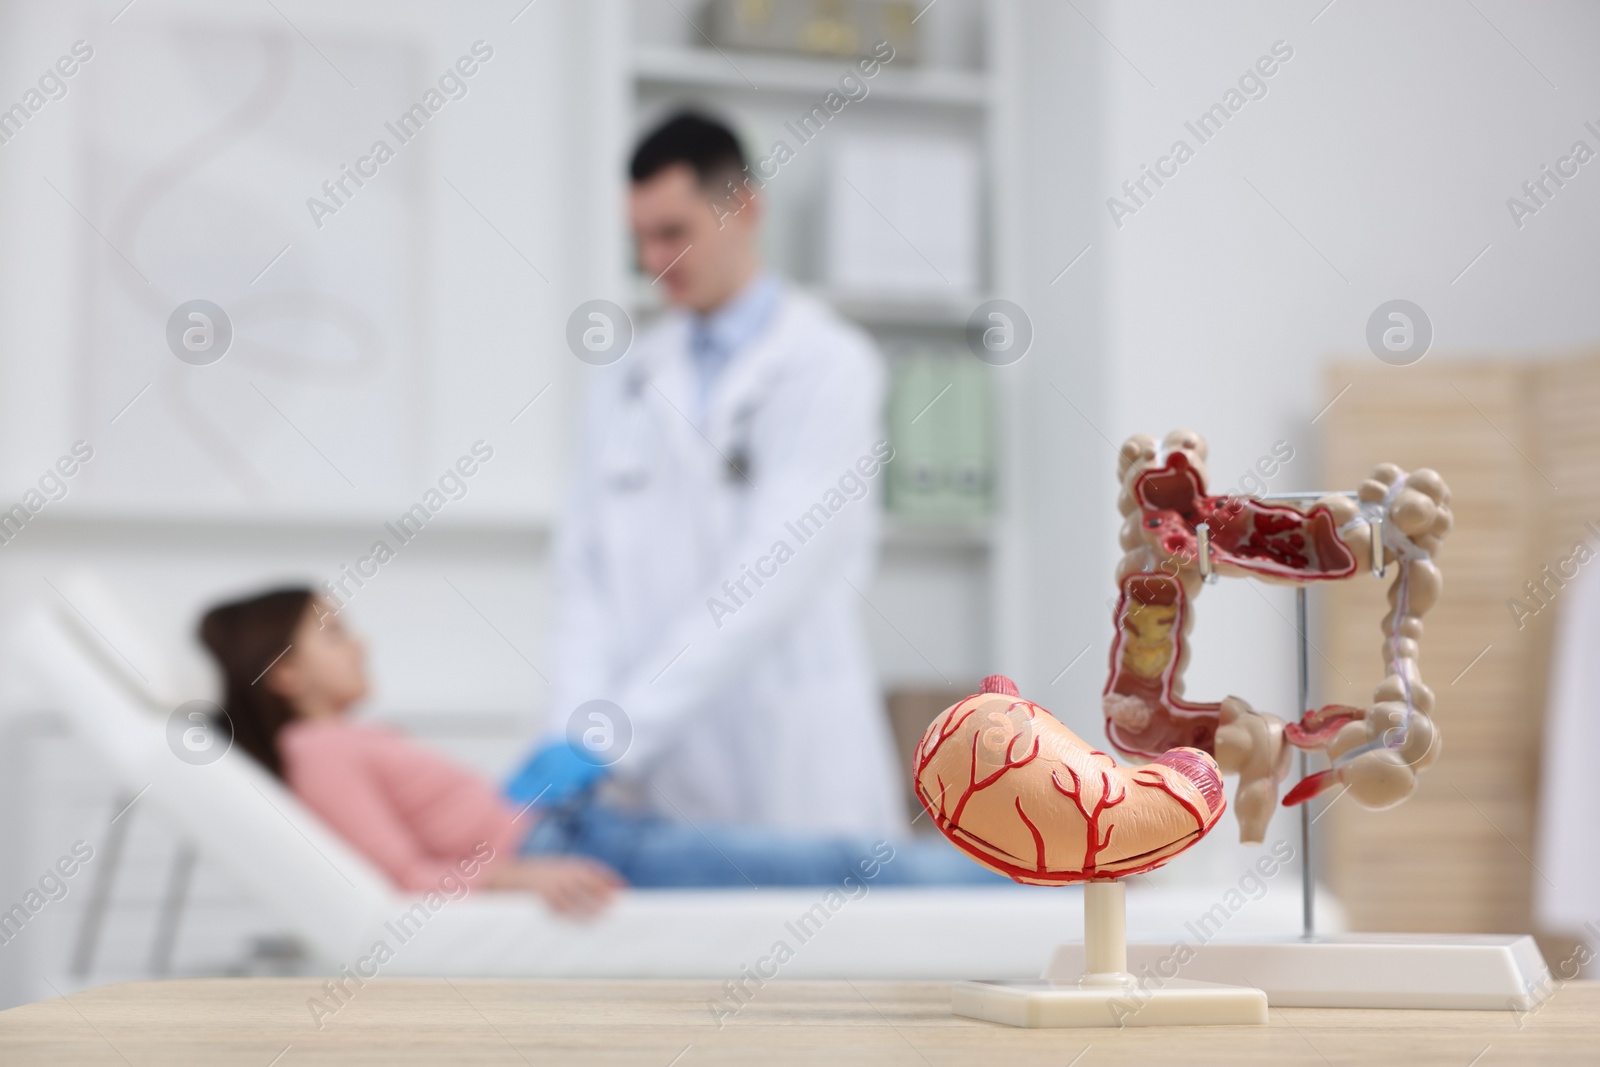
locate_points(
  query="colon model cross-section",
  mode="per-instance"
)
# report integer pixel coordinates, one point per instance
(1025, 796)
(1376, 750)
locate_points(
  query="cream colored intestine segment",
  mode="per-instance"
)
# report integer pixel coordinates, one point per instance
(1418, 506)
(1251, 744)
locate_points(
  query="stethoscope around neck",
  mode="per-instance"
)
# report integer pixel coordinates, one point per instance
(736, 454)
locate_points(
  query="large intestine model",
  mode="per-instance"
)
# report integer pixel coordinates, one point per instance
(1376, 751)
(1025, 796)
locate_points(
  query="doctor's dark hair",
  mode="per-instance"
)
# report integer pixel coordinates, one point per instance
(246, 637)
(702, 143)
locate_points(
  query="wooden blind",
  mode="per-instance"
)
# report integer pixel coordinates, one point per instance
(1518, 441)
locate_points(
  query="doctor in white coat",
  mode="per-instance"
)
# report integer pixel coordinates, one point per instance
(722, 525)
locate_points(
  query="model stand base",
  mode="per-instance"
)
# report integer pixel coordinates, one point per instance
(1101, 992)
(1178, 1002)
(1474, 972)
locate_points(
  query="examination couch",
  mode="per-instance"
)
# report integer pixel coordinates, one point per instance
(339, 907)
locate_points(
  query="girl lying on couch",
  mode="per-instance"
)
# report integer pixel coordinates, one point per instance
(291, 674)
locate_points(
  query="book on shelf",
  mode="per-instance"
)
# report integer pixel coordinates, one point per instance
(941, 408)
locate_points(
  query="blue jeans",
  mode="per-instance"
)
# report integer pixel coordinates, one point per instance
(651, 852)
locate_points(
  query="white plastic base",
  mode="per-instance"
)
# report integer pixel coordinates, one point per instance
(1178, 1002)
(1099, 991)
(1482, 972)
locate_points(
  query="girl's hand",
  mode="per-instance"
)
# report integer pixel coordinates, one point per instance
(572, 885)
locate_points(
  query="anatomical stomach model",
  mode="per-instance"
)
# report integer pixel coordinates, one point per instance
(1174, 536)
(1023, 795)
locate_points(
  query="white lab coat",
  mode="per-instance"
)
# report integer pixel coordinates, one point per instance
(771, 714)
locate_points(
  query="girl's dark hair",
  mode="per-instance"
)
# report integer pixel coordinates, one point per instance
(246, 637)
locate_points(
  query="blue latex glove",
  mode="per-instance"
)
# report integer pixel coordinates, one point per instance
(556, 773)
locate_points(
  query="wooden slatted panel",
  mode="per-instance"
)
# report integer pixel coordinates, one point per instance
(1566, 410)
(1457, 855)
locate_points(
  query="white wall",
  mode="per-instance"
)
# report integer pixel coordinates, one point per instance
(1066, 473)
(470, 331)
(490, 323)
(1391, 142)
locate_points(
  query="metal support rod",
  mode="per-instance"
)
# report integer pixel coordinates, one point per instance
(1379, 568)
(94, 912)
(1307, 495)
(166, 936)
(1307, 875)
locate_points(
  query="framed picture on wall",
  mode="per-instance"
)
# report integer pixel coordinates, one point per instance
(256, 309)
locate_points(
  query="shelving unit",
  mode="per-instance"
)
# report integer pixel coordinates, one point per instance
(675, 66)
(947, 312)
(933, 572)
(908, 532)
(243, 529)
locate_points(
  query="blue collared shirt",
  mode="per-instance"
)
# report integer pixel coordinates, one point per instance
(716, 338)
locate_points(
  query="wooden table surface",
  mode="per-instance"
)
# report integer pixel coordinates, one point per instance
(259, 1022)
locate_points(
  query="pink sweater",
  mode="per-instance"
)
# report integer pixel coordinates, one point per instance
(409, 810)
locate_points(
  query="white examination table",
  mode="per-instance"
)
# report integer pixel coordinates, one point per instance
(337, 905)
